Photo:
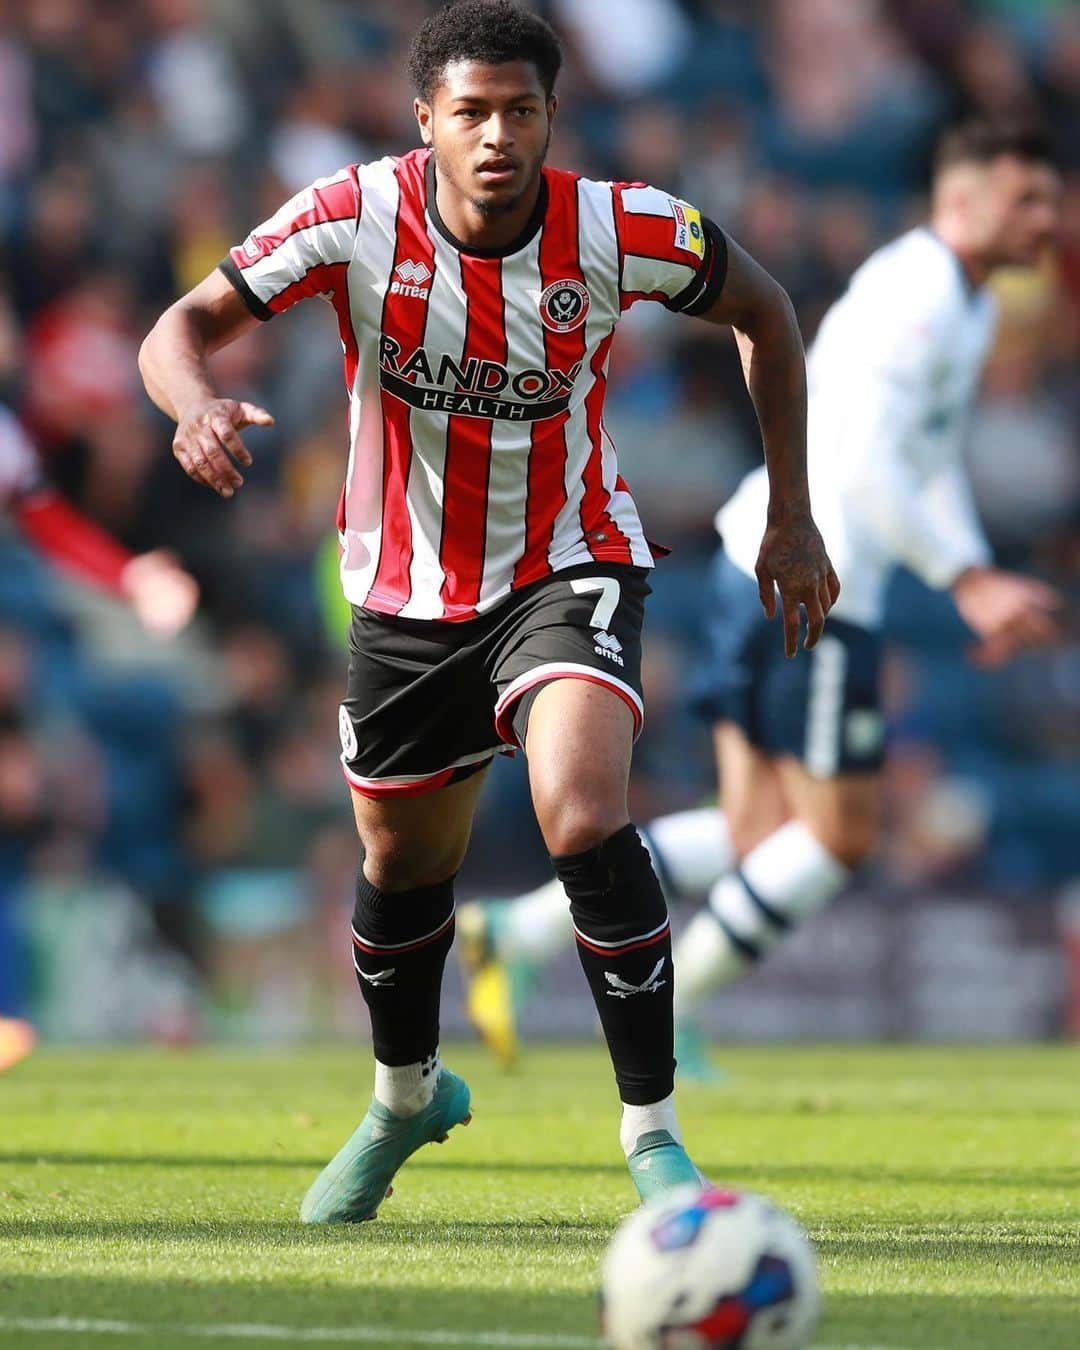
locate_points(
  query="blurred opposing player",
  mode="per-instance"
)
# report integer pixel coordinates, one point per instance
(893, 376)
(161, 593)
(492, 554)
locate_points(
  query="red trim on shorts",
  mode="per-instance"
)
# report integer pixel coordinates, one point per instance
(504, 708)
(374, 788)
(415, 785)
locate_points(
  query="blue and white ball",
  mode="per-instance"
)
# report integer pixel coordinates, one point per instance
(715, 1268)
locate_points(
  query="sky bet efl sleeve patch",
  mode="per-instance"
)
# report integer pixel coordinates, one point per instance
(689, 234)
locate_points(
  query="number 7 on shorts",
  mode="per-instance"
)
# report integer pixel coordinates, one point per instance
(609, 591)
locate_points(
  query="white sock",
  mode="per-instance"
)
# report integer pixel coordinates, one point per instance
(639, 1120)
(405, 1089)
(536, 925)
(791, 875)
(690, 850)
(703, 958)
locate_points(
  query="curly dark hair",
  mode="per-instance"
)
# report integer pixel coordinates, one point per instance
(491, 31)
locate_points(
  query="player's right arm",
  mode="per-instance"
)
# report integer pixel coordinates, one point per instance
(302, 250)
(173, 361)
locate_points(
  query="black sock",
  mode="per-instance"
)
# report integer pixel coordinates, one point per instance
(400, 942)
(624, 943)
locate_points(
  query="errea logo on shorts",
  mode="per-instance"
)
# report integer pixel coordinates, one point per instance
(608, 646)
(411, 279)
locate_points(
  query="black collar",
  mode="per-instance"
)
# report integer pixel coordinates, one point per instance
(532, 225)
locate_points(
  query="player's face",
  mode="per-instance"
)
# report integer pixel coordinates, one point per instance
(1018, 209)
(490, 127)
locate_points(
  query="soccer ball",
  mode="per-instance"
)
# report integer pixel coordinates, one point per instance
(723, 1269)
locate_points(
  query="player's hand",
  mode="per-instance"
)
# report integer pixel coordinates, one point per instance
(162, 594)
(207, 442)
(793, 561)
(1006, 612)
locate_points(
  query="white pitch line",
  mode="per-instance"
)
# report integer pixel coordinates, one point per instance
(503, 1340)
(242, 1331)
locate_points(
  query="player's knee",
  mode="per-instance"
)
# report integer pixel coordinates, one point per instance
(391, 867)
(750, 827)
(572, 822)
(851, 842)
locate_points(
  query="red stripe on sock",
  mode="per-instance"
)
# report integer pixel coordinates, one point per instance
(614, 952)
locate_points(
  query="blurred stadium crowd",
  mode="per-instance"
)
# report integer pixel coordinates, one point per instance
(192, 788)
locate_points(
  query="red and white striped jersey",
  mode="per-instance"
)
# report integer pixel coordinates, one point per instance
(479, 461)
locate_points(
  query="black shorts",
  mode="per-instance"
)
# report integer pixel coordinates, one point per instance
(824, 707)
(429, 703)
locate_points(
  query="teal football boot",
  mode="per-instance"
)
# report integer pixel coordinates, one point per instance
(353, 1185)
(659, 1164)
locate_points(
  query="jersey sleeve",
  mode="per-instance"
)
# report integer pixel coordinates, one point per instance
(668, 251)
(302, 250)
(932, 527)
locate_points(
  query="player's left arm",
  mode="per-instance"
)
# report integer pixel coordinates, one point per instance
(792, 559)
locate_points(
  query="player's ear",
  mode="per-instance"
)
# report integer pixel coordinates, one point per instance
(423, 119)
(552, 107)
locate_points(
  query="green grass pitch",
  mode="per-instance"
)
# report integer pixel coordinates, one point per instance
(150, 1197)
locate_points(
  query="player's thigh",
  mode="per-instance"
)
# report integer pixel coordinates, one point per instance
(751, 795)
(842, 812)
(579, 743)
(416, 840)
(568, 671)
(417, 732)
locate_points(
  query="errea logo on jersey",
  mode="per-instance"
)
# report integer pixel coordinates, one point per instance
(411, 279)
(689, 234)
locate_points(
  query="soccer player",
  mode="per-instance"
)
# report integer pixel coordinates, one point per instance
(493, 556)
(161, 593)
(893, 375)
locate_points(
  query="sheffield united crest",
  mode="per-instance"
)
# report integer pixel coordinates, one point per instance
(564, 306)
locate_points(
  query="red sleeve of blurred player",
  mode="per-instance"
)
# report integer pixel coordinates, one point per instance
(71, 540)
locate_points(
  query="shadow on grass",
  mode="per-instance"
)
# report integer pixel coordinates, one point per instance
(1064, 1178)
(915, 1243)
